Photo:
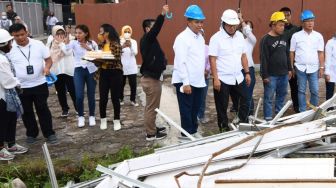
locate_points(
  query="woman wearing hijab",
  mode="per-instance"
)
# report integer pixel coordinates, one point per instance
(10, 104)
(63, 67)
(130, 68)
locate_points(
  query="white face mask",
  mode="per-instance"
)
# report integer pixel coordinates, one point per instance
(127, 35)
(4, 17)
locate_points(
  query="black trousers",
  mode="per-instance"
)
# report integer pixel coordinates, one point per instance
(63, 84)
(294, 93)
(222, 101)
(7, 125)
(110, 80)
(132, 80)
(36, 97)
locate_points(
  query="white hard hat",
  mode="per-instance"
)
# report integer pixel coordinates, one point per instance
(230, 17)
(4, 37)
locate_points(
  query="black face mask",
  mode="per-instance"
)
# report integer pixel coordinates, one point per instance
(223, 25)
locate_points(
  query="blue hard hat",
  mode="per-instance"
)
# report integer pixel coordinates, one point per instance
(51, 79)
(306, 15)
(194, 12)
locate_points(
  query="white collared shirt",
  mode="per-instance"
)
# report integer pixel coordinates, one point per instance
(330, 59)
(79, 53)
(189, 58)
(128, 57)
(228, 51)
(250, 42)
(7, 79)
(19, 56)
(306, 47)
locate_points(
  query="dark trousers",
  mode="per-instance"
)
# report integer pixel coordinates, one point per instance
(294, 93)
(132, 80)
(8, 125)
(110, 80)
(63, 84)
(330, 86)
(222, 101)
(36, 96)
(189, 106)
(249, 89)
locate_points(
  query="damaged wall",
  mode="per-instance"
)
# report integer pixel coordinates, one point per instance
(132, 12)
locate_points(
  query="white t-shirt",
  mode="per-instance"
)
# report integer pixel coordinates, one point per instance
(19, 56)
(228, 51)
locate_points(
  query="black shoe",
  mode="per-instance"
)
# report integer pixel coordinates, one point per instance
(233, 109)
(32, 140)
(160, 129)
(158, 136)
(65, 113)
(52, 139)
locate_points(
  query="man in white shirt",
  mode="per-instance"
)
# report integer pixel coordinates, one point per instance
(51, 21)
(227, 53)
(306, 50)
(32, 62)
(188, 74)
(330, 66)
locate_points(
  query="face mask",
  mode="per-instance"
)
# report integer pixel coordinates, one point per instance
(100, 38)
(127, 35)
(4, 17)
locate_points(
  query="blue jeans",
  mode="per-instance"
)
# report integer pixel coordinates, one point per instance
(189, 106)
(277, 86)
(82, 76)
(201, 111)
(312, 79)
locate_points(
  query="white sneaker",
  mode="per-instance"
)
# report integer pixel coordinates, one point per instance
(17, 149)
(134, 103)
(116, 125)
(122, 102)
(197, 135)
(6, 155)
(81, 121)
(92, 121)
(103, 123)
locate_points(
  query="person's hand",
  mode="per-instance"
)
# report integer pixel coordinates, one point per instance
(46, 71)
(187, 89)
(165, 10)
(128, 43)
(327, 78)
(216, 84)
(321, 73)
(266, 81)
(85, 46)
(248, 79)
(290, 75)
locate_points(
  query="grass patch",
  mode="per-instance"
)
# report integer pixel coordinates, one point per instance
(35, 173)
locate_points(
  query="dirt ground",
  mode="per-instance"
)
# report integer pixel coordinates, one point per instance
(76, 142)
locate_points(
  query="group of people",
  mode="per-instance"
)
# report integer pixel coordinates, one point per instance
(287, 53)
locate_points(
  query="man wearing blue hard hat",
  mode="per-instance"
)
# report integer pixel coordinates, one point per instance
(188, 73)
(228, 58)
(307, 51)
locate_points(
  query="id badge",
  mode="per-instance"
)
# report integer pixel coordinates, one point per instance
(30, 69)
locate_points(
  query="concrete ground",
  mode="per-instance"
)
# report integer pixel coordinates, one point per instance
(76, 142)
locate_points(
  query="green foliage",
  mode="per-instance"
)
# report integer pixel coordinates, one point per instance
(34, 173)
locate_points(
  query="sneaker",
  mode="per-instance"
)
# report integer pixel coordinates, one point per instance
(160, 129)
(52, 139)
(17, 149)
(122, 102)
(5, 155)
(65, 113)
(81, 121)
(92, 121)
(197, 135)
(158, 136)
(203, 120)
(116, 125)
(134, 103)
(103, 123)
(31, 140)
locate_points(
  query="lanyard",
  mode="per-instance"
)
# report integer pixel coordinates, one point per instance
(27, 58)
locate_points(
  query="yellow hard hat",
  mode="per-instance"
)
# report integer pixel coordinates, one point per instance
(278, 16)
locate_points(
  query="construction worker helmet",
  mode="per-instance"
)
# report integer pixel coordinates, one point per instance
(5, 37)
(230, 17)
(194, 12)
(278, 16)
(306, 15)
